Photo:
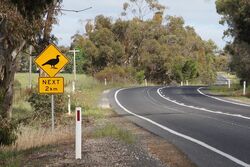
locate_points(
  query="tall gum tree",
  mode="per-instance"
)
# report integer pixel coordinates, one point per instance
(236, 15)
(22, 23)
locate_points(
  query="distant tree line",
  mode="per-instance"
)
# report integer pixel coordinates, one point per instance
(164, 50)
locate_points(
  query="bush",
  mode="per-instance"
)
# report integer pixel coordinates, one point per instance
(8, 131)
(116, 74)
(41, 104)
(140, 76)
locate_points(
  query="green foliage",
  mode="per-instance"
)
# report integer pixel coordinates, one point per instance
(234, 91)
(10, 159)
(235, 13)
(222, 63)
(240, 62)
(8, 131)
(140, 76)
(177, 72)
(115, 74)
(190, 70)
(41, 104)
(164, 52)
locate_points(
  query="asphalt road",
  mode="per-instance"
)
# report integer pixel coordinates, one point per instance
(213, 133)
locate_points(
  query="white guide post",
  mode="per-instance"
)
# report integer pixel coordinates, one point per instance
(181, 83)
(74, 51)
(105, 82)
(78, 142)
(73, 86)
(146, 82)
(244, 88)
(187, 82)
(229, 83)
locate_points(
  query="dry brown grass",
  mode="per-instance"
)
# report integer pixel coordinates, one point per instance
(31, 137)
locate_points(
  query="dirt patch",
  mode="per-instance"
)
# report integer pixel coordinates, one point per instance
(156, 146)
(104, 152)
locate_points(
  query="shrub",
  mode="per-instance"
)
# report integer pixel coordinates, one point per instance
(116, 74)
(140, 76)
(8, 131)
(41, 104)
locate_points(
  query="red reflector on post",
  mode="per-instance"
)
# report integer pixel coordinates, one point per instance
(78, 115)
(78, 142)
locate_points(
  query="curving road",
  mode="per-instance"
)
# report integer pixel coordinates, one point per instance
(212, 132)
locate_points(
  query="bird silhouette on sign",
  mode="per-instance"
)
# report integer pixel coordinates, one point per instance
(52, 62)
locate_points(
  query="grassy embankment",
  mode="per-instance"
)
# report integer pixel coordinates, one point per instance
(235, 92)
(36, 134)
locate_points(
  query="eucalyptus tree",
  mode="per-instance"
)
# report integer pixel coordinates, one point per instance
(236, 15)
(22, 23)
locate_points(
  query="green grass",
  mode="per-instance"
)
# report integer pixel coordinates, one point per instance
(10, 159)
(97, 113)
(22, 110)
(16, 158)
(235, 90)
(111, 130)
(23, 78)
(234, 93)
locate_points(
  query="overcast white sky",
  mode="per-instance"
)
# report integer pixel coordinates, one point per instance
(201, 14)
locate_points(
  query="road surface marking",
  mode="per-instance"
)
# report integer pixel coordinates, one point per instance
(241, 104)
(230, 157)
(202, 109)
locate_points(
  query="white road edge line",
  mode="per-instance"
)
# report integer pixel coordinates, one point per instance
(241, 104)
(230, 157)
(202, 109)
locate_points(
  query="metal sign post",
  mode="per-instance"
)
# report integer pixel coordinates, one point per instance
(78, 138)
(52, 112)
(51, 61)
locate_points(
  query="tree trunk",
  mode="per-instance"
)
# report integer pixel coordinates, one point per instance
(7, 72)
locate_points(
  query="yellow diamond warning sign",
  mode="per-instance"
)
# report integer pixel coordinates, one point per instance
(51, 60)
(53, 85)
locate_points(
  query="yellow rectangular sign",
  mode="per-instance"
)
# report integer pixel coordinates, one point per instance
(53, 85)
